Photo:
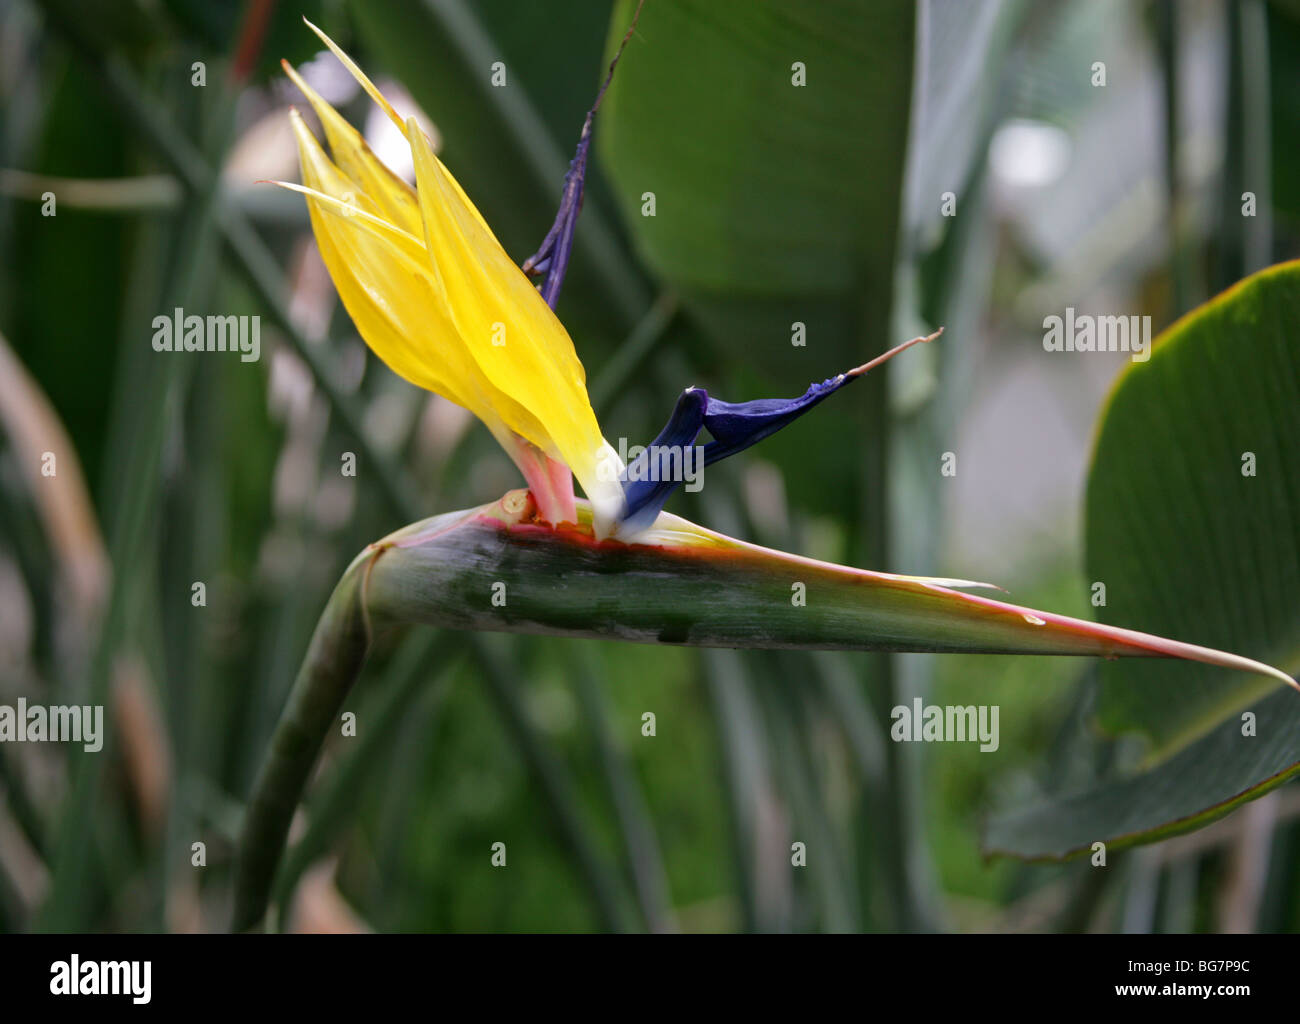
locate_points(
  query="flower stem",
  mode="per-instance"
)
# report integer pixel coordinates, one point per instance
(334, 659)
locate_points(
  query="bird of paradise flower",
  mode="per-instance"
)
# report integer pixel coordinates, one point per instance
(437, 298)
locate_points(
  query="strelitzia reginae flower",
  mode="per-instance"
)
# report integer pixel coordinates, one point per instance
(435, 296)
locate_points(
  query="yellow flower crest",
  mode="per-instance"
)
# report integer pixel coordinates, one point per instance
(436, 297)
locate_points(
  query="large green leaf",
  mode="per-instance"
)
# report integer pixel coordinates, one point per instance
(1187, 543)
(1189, 546)
(774, 202)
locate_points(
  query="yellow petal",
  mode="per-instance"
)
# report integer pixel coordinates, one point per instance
(359, 75)
(373, 92)
(515, 337)
(438, 299)
(383, 279)
(394, 197)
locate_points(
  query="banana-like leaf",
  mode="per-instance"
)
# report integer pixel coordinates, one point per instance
(752, 239)
(497, 568)
(1194, 527)
(1193, 509)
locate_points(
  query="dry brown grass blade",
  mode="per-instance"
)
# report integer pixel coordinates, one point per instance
(63, 502)
(62, 498)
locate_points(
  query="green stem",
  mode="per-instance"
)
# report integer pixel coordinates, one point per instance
(334, 658)
(400, 689)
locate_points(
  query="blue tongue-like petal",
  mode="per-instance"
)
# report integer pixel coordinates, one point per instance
(645, 486)
(648, 480)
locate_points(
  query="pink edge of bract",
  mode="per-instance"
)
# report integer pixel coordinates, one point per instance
(1128, 639)
(1129, 642)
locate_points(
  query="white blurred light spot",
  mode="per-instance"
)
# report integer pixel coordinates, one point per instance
(328, 77)
(384, 137)
(1029, 154)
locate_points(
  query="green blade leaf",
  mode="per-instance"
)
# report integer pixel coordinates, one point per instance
(771, 139)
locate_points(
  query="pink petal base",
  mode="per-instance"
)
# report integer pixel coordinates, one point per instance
(550, 482)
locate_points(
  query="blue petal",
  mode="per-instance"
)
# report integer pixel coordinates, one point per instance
(552, 257)
(734, 426)
(737, 425)
(645, 497)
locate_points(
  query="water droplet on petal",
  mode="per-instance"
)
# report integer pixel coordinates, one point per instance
(1034, 620)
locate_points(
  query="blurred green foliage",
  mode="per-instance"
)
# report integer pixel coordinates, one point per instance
(774, 205)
